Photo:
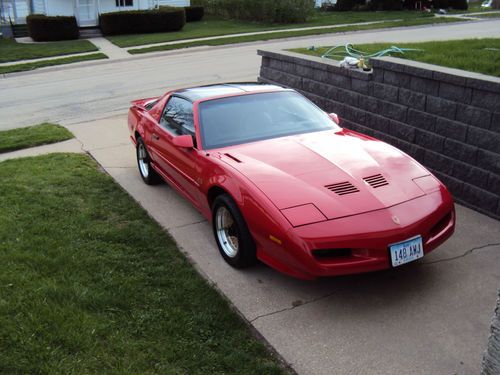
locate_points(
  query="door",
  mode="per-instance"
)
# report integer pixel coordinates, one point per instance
(180, 164)
(86, 13)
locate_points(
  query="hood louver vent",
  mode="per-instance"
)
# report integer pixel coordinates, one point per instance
(376, 181)
(233, 158)
(342, 188)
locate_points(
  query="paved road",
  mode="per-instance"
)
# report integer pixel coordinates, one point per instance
(93, 91)
(429, 318)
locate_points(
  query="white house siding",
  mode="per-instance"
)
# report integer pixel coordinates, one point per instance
(59, 8)
(175, 3)
(39, 6)
(106, 6)
(15, 10)
(67, 7)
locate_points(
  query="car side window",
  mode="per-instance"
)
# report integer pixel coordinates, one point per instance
(177, 117)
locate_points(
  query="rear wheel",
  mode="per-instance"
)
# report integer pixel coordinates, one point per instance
(148, 174)
(233, 238)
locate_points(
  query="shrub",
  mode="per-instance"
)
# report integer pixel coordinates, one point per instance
(440, 4)
(347, 5)
(458, 4)
(43, 28)
(194, 13)
(387, 4)
(282, 11)
(142, 21)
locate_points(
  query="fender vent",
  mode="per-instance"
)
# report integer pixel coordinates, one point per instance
(233, 157)
(376, 181)
(342, 188)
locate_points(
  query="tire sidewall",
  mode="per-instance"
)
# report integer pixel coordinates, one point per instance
(152, 177)
(245, 255)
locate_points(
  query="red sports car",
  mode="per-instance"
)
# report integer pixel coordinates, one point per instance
(282, 182)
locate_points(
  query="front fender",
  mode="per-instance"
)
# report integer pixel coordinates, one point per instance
(264, 220)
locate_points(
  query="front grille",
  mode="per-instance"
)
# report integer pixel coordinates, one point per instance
(342, 188)
(376, 181)
(331, 253)
(441, 224)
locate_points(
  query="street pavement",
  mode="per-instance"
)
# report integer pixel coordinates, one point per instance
(92, 90)
(431, 317)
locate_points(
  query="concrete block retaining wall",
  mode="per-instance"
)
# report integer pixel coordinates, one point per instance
(447, 119)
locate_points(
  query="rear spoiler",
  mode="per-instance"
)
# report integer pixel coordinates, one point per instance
(147, 103)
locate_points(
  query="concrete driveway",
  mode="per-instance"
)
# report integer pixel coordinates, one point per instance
(431, 317)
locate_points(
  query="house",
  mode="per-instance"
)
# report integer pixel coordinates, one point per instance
(86, 11)
(320, 3)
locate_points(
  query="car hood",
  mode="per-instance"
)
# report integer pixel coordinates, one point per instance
(341, 173)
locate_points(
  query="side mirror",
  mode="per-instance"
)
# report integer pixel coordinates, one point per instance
(335, 118)
(184, 141)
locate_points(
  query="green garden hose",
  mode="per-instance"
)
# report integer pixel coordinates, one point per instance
(349, 50)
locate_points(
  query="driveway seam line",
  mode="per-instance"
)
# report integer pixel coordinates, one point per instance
(292, 307)
(187, 225)
(468, 252)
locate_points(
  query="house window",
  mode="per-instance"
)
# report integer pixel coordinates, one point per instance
(124, 3)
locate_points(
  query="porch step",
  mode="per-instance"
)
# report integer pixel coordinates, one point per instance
(90, 33)
(20, 31)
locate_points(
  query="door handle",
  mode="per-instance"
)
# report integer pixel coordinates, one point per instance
(156, 137)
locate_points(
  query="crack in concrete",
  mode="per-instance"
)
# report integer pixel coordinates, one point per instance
(468, 252)
(292, 307)
(187, 225)
(113, 167)
(108, 147)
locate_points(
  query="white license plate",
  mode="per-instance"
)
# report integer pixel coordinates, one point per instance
(406, 251)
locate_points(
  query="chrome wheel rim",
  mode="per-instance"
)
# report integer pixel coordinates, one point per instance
(226, 232)
(142, 158)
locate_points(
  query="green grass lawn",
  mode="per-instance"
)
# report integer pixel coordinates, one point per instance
(44, 63)
(31, 136)
(90, 284)
(289, 34)
(212, 26)
(488, 15)
(10, 50)
(475, 55)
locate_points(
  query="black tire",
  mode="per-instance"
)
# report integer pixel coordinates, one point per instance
(245, 254)
(148, 174)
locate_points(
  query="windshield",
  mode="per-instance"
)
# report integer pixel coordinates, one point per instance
(246, 118)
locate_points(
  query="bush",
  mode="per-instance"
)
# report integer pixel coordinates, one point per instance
(281, 11)
(194, 13)
(347, 5)
(388, 4)
(459, 4)
(142, 21)
(43, 28)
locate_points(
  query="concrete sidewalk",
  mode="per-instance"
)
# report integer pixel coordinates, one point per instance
(431, 317)
(71, 145)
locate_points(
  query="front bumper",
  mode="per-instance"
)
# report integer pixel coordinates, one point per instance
(367, 237)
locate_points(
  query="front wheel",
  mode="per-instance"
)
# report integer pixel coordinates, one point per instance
(148, 174)
(233, 238)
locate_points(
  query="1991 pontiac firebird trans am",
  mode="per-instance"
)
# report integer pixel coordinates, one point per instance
(282, 182)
